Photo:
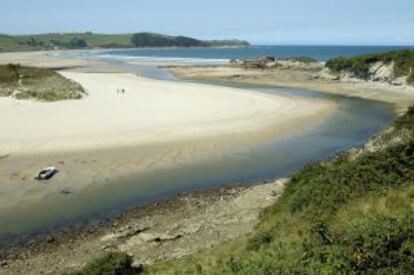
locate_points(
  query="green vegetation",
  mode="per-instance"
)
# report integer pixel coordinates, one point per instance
(350, 215)
(114, 263)
(303, 59)
(226, 43)
(52, 41)
(146, 39)
(360, 65)
(36, 83)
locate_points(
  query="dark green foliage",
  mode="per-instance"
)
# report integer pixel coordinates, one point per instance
(156, 40)
(321, 189)
(359, 65)
(381, 245)
(77, 43)
(226, 43)
(303, 59)
(259, 240)
(114, 263)
(406, 121)
(74, 43)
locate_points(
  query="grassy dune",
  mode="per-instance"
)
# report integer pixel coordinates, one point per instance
(360, 65)
(36, 83)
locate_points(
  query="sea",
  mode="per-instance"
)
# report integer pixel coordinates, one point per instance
(224, 54)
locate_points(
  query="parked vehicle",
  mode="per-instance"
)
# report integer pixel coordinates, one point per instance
(47, 173)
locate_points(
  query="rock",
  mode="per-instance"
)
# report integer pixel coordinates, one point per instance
(4, 263)
(381, 71)
(326, 74)
(124, 232)
(138, 266)
(50, 239)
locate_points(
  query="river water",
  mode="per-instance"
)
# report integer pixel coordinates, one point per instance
(352, 123)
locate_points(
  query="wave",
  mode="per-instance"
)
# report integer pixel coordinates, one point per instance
(99, 54)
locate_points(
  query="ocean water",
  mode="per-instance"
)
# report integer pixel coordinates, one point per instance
(223, 55)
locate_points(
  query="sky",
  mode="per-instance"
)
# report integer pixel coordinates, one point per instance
(266, 22)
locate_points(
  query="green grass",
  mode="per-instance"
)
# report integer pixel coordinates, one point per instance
(359, 65)
(37, 83)
(89, 40)
(344, 216)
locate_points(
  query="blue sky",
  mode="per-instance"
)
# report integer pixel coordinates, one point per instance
(315, 22)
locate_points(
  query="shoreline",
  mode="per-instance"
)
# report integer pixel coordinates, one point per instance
(150, 130)
(30, 254)
(155, 224)
(400, 96)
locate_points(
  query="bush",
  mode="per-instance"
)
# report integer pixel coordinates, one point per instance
(313, 229)
(303, 59)
(114, 263)
(359, 65)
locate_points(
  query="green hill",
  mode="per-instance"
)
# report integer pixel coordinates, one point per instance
(87, 40)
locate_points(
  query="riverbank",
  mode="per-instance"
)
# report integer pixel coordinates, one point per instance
(126, 129)
(165, 230)
(129, 125)
(124, 160)
(400, 96)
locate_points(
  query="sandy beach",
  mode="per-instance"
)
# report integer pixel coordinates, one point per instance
(153, 125)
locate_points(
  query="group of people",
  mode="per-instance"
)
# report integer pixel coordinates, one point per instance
(120, 91)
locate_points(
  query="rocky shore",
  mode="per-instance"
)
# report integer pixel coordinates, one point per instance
(168, 229)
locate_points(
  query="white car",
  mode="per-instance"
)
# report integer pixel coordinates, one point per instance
(47, 173)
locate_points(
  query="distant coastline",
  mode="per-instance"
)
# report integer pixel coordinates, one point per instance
(89, 40)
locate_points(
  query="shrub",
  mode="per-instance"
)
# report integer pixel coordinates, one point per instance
(114, 263)
(359, 65)
(303, 233)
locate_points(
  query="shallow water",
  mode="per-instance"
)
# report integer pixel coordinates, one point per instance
(220, 55)
(351, 124)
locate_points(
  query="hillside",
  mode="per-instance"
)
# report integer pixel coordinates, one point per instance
(36, 83)
(88, 40)
(396, 67)
(349, 215)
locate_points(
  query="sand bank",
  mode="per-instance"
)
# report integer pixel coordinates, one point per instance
(153, 125)
(400, 96)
